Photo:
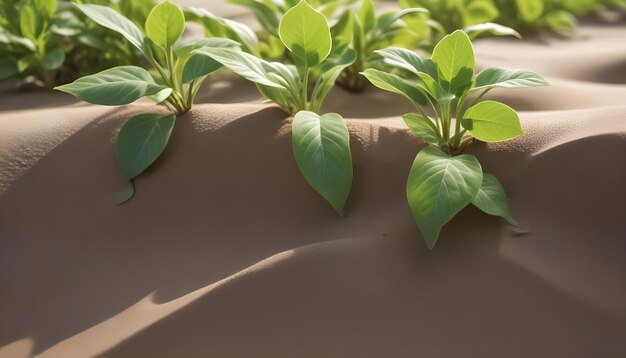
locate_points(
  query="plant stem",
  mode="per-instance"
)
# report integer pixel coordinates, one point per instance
(305, 89)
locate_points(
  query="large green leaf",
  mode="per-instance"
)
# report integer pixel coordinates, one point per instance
(114, 87)
(454, 57)
(305, 32)
(331, 69)
(111, 19)
(492, 121)
(423, 127)
(165, 24)
(491, 198)
(393, 83)
(244, 64)
(321, 145)
(141, 141)
(506, 78)
(439, 186)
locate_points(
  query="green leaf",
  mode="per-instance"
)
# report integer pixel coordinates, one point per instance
(331, 69)
(226, 28)
(480, 11)
(321, 145)
(423, 127)
(439, 186)
(506, 78)
(244, 64)
(193, 66)
(492, 121)
(26, 62)
(490, 28)
(53, 59)
(125, 195)
(114, 87)
(386, 20)
(305, 32)
(491, 198)
(408, 60)
(9, 38)
(392, 83)
(561, 20)
(529, 10)
(454, 57)
(264, 12)
(111, 19)
(31, 23)
(367, 15)
(165, 24)
(198, 66)
(141, 141)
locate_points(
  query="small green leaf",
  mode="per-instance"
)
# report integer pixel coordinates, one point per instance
(161, 96)
(408, 60)
(392, 83)
(198, 66)
(53, 59)
(530, 10)
(305, 32)
(505, 78)
(491, 198)
(423, 127)
(386, 20)
(244, 64)
(367, 15)
(111, 19)
(321, 145)
(439, 186)
(492, 121)
(561, 20)
(331, 69)
(114, 87)
(490, 28)
(165, 24)
(31, 23)
(9, 38)
(480, 11)
(454, 57)
(141, 141)
(125, 195)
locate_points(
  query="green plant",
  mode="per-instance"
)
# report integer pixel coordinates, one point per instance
(365, 31)
(179, 74)
(321, 143)
(49, 42)
(530, 16)
(442, 181)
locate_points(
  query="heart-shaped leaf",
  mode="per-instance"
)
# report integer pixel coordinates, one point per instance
(492, 121)
(305, 32)
(491, 198)
(165, 24)
(141, 141)
(321, 145)
(504, 78)
(114, 87)
(454, 57)
(439, 186)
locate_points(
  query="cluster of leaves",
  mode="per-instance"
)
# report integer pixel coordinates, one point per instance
(179, 72)
(49, 41)
(321, 143)
(442, 181)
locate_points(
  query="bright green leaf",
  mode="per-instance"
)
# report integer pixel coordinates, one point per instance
(454, 57)
(492, 121)
(505, 78)
(491, 198)
(321, 145)
(439, 186)
(530, 10)
(408, 60)
(393, 83)
(114, 87)
(305, 32)
(165, 24)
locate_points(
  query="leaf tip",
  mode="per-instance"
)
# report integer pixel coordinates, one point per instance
(125, 195)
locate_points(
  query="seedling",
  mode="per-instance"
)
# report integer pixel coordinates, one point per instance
(442, 181)
(365, 32)
(179, 75)
(321, 143)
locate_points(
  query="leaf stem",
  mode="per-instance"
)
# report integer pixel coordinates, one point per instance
(305, 89)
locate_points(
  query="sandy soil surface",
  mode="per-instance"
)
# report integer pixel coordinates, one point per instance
(225, 251)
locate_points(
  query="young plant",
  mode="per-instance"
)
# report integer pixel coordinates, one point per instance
(442, 181)
(365, 31)
(321, 143)
(179, 74)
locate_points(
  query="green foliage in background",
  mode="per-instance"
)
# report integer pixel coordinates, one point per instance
(442, 181)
